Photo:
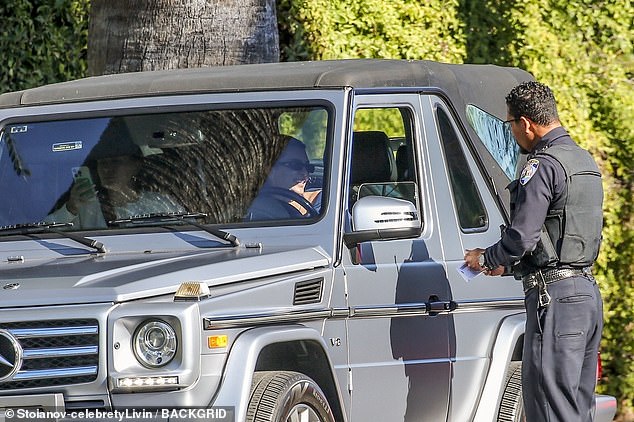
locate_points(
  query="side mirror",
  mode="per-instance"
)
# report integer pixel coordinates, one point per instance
(382, 218)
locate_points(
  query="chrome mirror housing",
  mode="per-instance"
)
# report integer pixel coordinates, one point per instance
(381, 218)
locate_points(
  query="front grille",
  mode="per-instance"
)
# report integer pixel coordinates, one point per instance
(55, 352)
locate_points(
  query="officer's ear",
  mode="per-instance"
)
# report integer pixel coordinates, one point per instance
(525, 123)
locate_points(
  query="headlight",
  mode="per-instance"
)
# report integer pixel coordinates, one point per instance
(154, 343)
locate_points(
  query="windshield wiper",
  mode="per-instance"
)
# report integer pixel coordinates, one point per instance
(185, 217)
(18, 165)
(42, 227)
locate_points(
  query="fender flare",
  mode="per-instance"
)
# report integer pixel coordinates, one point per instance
(511, 329)
(235, 386)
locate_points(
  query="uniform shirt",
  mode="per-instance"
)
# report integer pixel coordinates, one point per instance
(540, 188)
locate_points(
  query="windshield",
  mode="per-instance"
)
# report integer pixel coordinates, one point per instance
(233, 166)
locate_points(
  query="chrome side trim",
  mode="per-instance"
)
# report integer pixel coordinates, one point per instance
(276, 316)
(286, 316)
(338, 313)
(389, 311)
(489, 305)
(56, 373)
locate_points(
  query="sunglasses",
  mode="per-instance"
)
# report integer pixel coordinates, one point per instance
(297, 165)
(507, 123)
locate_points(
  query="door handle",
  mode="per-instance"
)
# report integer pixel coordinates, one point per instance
(436, 306)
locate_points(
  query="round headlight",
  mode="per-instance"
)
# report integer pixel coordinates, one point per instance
(154, 343)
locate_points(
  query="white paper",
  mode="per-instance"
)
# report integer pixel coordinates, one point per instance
(467, 273)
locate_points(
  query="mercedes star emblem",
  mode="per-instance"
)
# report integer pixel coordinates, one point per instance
(10, 355)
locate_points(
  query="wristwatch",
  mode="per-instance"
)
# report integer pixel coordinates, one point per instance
(482, 261)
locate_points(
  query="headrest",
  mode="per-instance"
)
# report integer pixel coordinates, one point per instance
(402, 163)
(372, 158)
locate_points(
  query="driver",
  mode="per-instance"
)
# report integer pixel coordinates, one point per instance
(290, 171)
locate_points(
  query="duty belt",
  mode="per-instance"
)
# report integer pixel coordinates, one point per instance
(550, 276)
(541, 278)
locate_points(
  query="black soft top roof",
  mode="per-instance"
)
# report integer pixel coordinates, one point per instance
(482, 85)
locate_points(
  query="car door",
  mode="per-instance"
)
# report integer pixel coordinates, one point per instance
(400, 330)
(471, 219)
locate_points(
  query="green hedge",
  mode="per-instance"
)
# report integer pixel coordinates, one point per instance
(327, 29)
(42, 41)
(582, 48)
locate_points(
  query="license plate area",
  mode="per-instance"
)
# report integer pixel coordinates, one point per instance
(53, 403)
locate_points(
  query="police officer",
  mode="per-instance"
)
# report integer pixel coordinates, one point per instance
(550, 244)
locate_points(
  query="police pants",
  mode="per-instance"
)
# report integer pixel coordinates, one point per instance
(560, 351)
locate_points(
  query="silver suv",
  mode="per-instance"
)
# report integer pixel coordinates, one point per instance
(273, 242)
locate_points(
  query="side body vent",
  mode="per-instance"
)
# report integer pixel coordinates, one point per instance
(308, 291)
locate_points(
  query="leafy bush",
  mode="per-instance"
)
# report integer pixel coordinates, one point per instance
(409, 29)
(42, 41)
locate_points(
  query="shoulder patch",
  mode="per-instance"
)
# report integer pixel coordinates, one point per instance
(529, 170)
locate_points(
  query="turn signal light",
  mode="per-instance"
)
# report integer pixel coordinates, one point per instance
(217, 342)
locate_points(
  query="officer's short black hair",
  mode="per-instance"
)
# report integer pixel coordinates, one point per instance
(533, 100)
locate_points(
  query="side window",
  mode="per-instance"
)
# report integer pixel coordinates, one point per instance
(310, 127)
(382, 154)
(469, 206)
(497, 137)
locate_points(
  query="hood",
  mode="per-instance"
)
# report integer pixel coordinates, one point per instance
(120, 277)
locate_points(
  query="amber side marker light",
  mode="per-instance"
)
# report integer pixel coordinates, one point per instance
(217, 342)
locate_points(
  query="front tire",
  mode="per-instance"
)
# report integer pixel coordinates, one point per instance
(286, 396)
(512, 406)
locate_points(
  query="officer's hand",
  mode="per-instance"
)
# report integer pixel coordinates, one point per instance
(472, 257)
(81, 193)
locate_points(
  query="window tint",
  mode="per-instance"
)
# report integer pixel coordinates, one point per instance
(497, 137)
(469, 206)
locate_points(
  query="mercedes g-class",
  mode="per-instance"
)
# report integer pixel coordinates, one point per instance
(283, 241)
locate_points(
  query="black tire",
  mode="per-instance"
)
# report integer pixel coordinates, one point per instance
(280, 396)
(512, 406)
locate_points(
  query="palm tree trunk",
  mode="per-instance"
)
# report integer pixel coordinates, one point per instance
(136, 35)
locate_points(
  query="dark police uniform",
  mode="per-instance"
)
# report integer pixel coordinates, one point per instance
(553, 239)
